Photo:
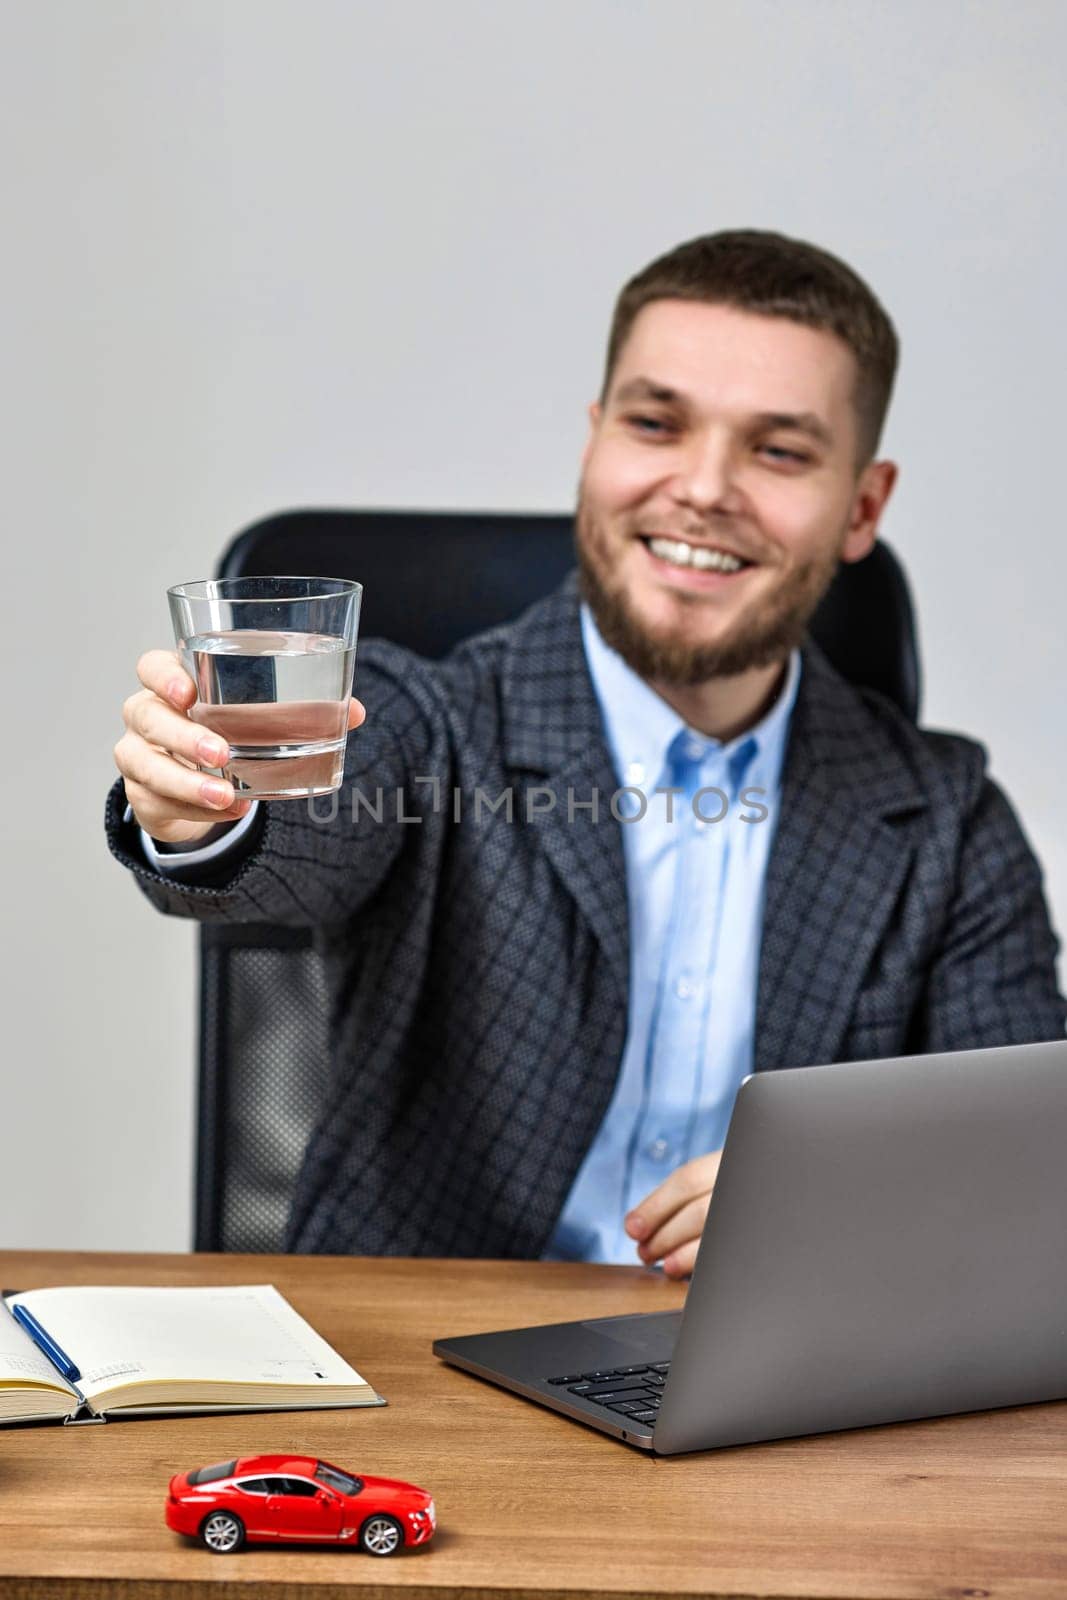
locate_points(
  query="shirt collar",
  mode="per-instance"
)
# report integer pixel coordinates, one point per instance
(640, 727)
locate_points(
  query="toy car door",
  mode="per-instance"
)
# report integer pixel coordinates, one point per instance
(299, 1509)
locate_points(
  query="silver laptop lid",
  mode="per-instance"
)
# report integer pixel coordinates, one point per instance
(886, 1240)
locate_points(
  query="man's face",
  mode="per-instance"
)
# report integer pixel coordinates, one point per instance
(727, 432)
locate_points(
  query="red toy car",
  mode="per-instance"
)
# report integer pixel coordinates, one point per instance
(274, 1498)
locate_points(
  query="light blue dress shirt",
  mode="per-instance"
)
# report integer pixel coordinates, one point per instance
(695, 892)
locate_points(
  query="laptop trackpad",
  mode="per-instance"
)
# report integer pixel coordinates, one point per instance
(647, 1336)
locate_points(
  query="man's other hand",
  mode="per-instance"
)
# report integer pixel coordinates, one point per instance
(668, 1223)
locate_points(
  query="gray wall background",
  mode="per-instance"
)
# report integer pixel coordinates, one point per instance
(262, 253)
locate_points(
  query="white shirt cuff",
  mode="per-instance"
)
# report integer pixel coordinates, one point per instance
(168, 859)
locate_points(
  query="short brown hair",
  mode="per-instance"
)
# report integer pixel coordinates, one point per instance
(774, 276)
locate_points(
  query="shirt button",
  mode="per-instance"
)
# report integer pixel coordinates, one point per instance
(695, 750)
(684, 988)
(659, 1150)
(635, 772)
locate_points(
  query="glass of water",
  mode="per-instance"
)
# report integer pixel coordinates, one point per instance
(272, 661)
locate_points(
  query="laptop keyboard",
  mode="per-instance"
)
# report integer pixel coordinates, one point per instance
(633, 1392)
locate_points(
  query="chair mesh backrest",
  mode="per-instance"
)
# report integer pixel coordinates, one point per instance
(430, 579)
(263, 1010)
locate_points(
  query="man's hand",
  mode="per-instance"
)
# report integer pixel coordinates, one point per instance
(159, 753)
(668, 1222)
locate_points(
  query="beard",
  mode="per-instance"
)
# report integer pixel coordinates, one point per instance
(763, 638)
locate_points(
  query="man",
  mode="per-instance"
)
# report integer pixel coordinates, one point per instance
(540, 1020)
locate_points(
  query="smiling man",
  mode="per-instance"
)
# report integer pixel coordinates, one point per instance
(710, 526)
(541, 1016)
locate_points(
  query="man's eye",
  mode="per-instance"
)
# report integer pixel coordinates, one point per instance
(643, 424)
(780, 453)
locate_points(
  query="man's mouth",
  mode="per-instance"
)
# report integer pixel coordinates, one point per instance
(701, 557)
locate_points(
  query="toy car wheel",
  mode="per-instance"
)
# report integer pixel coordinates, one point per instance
(222, 1532)
(381, 1536)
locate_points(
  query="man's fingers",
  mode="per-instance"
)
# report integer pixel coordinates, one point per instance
(159, 754)
(357, 713)
(684, 1184)
(149, 720)
(158, 819)
(162, 672)
(680, 1263)
(680, 1229)
(157, 774)
(157, 724)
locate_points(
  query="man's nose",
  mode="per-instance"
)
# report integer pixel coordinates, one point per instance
(705, 475)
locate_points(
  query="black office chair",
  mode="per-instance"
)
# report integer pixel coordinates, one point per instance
(430, 580)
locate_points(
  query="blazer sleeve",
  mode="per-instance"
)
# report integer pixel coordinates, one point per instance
(308, 864)
(993, 978)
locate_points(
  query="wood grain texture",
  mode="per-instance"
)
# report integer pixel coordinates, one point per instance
(529, 1504)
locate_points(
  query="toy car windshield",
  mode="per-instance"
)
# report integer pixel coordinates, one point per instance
(334, 1478)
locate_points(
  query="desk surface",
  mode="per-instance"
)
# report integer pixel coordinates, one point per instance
(529, 1504)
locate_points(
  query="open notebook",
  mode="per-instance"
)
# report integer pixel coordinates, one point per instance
(91, 1353)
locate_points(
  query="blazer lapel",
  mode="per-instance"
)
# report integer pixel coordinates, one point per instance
(837, 863)
(587, 854)
(554, 733)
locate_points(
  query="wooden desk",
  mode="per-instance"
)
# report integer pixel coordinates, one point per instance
(529, 1504)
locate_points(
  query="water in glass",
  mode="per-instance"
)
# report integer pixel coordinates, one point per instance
(280, 700)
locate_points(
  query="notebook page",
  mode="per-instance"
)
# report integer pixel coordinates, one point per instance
(246, 1334)
(22, 1364)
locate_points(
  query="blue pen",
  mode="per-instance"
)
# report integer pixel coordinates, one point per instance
(46, 1344)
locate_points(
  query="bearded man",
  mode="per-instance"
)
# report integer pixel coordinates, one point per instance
(715, 857)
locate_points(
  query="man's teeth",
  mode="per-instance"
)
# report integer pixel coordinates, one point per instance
(681, 554)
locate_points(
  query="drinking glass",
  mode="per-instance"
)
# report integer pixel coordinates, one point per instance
(272, 661)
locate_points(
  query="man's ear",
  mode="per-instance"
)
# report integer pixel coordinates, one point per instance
(594, 424)
(873, 490)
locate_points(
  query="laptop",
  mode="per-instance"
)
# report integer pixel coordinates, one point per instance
(886, 1240)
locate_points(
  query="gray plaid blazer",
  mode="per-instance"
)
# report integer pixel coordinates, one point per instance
(478, 971)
